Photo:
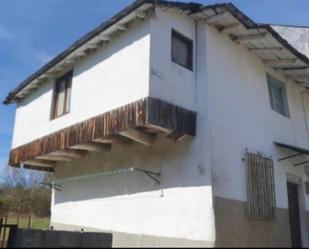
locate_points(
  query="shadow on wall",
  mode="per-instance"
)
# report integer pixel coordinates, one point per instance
(177, 162)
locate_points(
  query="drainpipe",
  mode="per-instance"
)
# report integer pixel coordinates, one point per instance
(195, 63)
(305, 112)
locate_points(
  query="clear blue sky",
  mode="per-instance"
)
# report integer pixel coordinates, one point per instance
(34, 31)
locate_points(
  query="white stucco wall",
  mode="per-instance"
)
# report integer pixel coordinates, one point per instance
(169, 80)
(133, 203)
(240, 117)
(113, 76)
(179, 207)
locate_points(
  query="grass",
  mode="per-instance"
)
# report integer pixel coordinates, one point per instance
(37, 223)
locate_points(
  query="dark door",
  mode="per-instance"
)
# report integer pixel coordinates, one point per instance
(294, 214)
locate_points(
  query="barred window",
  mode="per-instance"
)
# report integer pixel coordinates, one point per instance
(261, 200)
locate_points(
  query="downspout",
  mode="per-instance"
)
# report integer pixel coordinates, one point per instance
(305, 112)
(195, 63)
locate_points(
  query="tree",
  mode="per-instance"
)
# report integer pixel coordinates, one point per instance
(23, 193)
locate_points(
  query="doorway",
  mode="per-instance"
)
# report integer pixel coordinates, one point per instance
(294, 216)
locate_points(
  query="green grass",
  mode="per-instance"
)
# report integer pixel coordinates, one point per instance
(37, 223)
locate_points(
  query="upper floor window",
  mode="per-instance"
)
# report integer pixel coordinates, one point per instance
(278, 95)
(62, 95)
(182, 50)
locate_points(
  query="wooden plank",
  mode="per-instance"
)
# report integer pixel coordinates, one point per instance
(92, 146)
(139, 136)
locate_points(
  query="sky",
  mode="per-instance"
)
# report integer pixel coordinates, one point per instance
(32, 32)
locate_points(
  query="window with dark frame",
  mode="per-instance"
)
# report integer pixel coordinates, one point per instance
(62, 95)
(278, 95)
(182, 50)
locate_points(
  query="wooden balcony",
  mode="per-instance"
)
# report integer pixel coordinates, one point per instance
(137, 122)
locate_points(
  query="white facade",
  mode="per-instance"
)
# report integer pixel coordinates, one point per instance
(228, 90)
(115, 78)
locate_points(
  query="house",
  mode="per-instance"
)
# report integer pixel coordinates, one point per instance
(174, 124)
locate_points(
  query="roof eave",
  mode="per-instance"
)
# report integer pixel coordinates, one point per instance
(135, 5)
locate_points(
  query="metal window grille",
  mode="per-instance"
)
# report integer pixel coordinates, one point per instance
(261, 199)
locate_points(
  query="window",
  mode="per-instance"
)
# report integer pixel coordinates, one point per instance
(62, 95)
(261, 199)
(278, 96)
(182, 50)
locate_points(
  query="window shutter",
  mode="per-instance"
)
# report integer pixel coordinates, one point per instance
(261, 200)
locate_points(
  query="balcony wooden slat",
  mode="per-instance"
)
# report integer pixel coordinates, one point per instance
(147, 111)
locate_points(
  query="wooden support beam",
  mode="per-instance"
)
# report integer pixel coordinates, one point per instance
(40, 163)
(50, 74)
(177, 136)
(104, 37)
(216, 18)
(43, 78)
(92, 45)
(92, 146)
(228, 28)
(140, 14)
(122, 27)
(304, 77)
(115, 139)
(81, 54)
(246, 38)
(159, 128)
(125, 118)
(74, 154)
(301, 71)
(55, 158)
(296, 68)
(139, 136)
(40, 168)
(266, 49)
(280, 61)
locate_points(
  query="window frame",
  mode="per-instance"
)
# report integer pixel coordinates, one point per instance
(68, 89)
(271, 80)
(189, 44)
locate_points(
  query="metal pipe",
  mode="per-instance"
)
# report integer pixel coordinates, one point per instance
(288, 157)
